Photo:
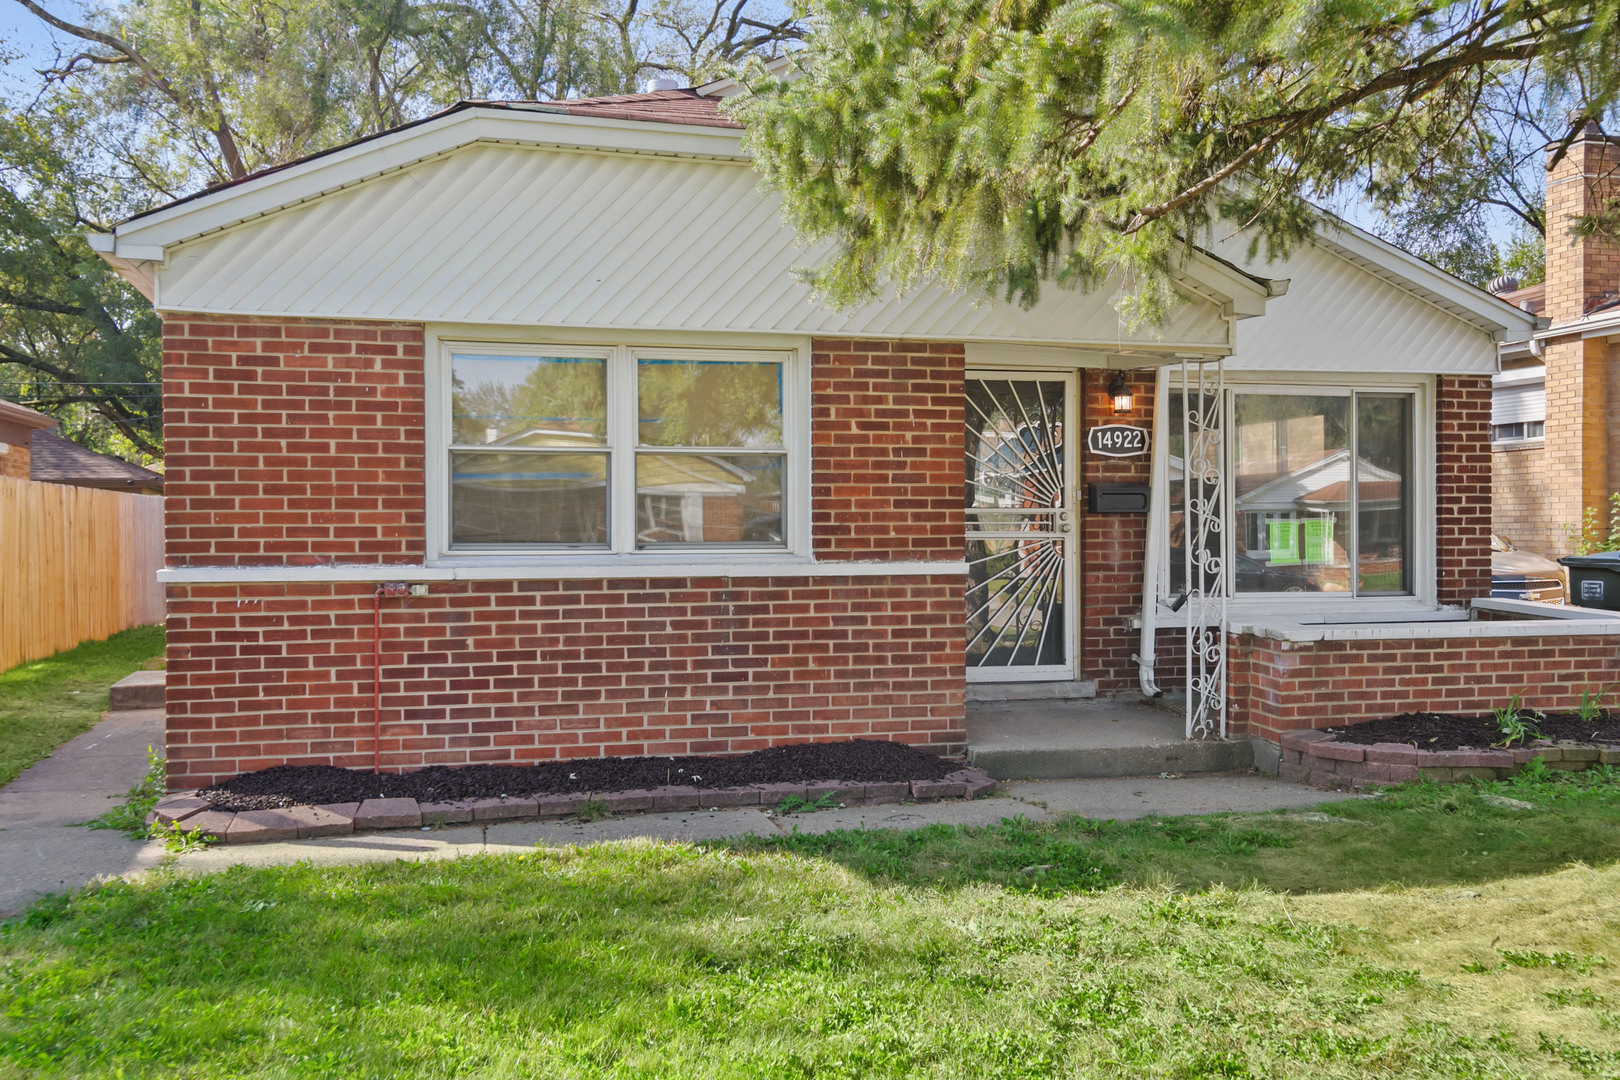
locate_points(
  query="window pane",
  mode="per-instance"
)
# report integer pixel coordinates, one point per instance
(528, 498)
(708, 499)
(1291, 482)
(1383, 519)
(1209, 460)
(709, 403)
(534, 401)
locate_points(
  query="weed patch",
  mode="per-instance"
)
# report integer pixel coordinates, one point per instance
(129, 816)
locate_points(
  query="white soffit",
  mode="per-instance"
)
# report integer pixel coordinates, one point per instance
(521, 235)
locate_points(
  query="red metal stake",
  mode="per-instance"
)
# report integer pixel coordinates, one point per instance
(391, 589)
(376, 679)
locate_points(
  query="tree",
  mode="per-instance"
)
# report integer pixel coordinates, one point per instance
(75, 340)
(156, 98)
(1003, 145)
(1446, 208)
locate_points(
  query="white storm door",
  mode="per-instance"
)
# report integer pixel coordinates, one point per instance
(1021, 526)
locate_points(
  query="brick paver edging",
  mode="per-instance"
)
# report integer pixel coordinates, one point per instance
(191, 811)
(1315, 758)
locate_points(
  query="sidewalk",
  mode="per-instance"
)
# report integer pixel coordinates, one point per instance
(40, 849)
(43, 852)
(1035, 801)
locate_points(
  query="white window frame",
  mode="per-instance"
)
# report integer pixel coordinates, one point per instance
(1424, 555)
(621, 352)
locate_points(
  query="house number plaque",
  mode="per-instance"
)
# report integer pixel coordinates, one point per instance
(1117, 440)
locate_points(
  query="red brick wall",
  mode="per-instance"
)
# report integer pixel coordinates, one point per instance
(886, 423)
(1281, 686)
(292, 442)
(528, 671)
(1112, 546)
(1463, 489)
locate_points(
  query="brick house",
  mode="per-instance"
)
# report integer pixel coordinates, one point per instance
(525, 401)
(1556, 423)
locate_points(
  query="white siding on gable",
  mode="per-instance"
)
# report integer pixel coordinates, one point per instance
(1338, 317)
(509, 235)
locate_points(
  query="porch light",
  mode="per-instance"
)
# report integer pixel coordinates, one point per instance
(1120, 391)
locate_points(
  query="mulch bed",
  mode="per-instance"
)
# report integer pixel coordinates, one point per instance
(1445, 731)
(318, 785)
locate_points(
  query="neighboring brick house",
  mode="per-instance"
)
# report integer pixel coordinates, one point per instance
(1556, 424)
(17, 427)
(535, 387)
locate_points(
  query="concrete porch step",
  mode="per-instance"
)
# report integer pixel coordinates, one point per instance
(1069, 740)
(140, 690)
(1032, 691)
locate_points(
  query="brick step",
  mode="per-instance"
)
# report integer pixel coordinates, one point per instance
(141, 690)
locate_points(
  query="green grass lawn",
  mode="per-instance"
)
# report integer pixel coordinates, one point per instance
(1424, 834)
(44, 703)
(856, 956)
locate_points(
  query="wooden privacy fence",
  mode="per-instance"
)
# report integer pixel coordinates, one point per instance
(76, 564)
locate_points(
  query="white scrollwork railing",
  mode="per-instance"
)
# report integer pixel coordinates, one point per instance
(1205, 545)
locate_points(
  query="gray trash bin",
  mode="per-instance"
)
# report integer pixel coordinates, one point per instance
(1594, 580)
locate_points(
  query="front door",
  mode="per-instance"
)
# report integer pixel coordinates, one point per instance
(1020, 526)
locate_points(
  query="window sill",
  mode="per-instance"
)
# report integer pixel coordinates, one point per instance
(555, 569)
(1248, 613)
(1505, 445)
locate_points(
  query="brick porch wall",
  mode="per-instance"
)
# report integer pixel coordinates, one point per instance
(300, 443)
(1283, 686)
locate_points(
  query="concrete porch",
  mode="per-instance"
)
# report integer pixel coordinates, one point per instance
(1073, 739)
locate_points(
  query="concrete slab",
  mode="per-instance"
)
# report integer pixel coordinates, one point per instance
(498, 837)
(137, 690)
(1048, 740)
(988, 811)
(40, 849)
(1123, 799)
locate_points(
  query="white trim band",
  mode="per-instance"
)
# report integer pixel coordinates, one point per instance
(571, 571)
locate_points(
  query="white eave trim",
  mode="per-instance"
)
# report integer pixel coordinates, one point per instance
(1603, 324)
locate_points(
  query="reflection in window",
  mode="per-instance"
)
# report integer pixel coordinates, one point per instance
(512, 498)
(708, 499)
(686, 494)
(1291, 486)
(1304, 518)
(526, 460)
(528, 401)
(709, 403)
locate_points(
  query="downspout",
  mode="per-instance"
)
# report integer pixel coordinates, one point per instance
(1158, 512)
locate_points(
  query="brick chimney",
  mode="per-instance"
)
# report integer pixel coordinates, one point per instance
(1582, 464)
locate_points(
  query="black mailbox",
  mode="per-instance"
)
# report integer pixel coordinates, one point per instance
(1117, 498)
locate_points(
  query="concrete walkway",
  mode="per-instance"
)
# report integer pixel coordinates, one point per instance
(1121, 799)
(40, 849)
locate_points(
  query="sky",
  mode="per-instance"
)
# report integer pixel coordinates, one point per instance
(22, 32)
